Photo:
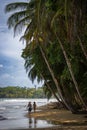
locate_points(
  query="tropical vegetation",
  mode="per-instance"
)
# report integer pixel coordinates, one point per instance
(21, 92)
(56, 42)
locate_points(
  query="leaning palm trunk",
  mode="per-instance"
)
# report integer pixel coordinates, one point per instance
(44, 57)
(52, 91)
(71, 72)
(54, 94)
(55, 81)
(82, 47)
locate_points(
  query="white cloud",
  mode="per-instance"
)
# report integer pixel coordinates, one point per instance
(1, 66)
(15, 81)
(10, 46)
(10, 54)
(6, 76)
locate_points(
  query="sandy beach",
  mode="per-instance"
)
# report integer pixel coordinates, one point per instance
(46, 117)
(63, 119)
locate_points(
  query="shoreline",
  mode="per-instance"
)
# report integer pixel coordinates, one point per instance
(61, 118)
(56, 128)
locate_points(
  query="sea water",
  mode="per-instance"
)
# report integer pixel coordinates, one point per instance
(13, 111)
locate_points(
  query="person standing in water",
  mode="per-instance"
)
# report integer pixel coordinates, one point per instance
(34, 106)
(29, 107)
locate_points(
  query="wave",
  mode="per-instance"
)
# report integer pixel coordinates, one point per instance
(2, 108)
(2, 118)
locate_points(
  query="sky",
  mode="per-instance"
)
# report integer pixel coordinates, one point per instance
(12, 71)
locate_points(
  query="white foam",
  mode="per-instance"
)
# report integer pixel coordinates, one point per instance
(11, 118)
(2, 108)
(16, 107)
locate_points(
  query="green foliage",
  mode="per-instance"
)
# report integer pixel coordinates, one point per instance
(21, 92)
(54, 26)
(47, 92)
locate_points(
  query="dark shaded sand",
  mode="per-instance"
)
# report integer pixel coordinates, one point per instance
(64, 118)
(58, 128)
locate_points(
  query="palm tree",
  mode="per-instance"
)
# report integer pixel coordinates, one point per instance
(37, 18)
(68, 64)
(58, 34)
(30, 18)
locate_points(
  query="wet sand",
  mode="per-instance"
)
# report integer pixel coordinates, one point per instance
(63, 119)
(58, 128)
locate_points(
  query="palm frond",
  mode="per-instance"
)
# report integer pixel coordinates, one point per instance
(16, 6)
(20, 25)
(14, 18)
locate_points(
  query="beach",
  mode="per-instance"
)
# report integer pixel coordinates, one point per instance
(13, 114)
(58, 128)
(62, 118)
(46, 117)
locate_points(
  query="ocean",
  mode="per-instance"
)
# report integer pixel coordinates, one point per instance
(13, 111)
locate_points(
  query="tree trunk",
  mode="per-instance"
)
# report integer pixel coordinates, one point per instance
(84, 52)
(55, 81)
(52, 91)
(71, 72)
